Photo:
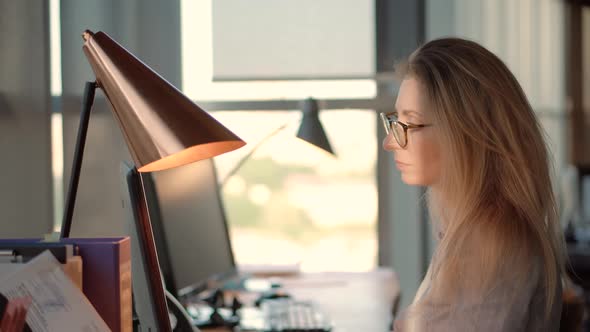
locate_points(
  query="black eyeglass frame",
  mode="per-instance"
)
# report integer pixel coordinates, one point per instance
(390, 119)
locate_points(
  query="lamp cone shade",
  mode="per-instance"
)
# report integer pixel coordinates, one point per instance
(162, 127)
(311, 129)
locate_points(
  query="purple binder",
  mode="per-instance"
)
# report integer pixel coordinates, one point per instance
(106, 278)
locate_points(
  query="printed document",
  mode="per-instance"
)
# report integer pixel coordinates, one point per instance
(56, 303)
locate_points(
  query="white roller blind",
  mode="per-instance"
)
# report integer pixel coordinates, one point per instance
(293, 39)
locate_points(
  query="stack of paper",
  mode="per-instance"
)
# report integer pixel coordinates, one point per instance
(56, 303)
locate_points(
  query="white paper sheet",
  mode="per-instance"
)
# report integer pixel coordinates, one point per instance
(56, 303)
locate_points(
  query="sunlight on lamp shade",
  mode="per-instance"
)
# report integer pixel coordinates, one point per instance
(161, 126)
(311, 129)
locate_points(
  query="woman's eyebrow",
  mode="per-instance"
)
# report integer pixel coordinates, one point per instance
(407, 112)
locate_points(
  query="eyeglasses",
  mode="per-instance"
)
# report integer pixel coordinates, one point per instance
(397, 128)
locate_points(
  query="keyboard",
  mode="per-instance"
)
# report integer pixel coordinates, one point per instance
(284, 315)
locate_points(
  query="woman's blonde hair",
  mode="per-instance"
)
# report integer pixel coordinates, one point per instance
(495, 197)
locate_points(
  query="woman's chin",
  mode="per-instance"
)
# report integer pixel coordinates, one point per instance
(411, 180)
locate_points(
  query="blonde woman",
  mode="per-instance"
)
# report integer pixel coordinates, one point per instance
(463, 127)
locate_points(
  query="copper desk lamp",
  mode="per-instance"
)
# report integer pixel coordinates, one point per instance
(162, 127)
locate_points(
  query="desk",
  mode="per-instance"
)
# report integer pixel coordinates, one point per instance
(354, 301)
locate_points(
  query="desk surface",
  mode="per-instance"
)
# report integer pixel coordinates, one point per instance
(354, 301)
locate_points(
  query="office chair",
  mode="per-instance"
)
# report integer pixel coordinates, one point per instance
(573, 310)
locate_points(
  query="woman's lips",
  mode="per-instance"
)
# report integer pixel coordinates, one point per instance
(400, 165)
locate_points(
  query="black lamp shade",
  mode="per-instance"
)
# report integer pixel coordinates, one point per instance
(311, 129)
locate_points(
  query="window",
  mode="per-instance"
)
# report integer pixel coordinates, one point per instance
(290, 202)
(287, 201)
(197, 67)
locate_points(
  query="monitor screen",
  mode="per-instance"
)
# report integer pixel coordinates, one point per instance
(191, 232)
(149, 300)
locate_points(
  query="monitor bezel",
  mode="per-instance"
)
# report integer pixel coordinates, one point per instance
(141, 236)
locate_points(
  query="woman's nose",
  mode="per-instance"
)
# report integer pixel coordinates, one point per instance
(390, 144)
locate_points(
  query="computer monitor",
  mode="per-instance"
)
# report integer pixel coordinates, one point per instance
(190, 227)
(149, 299)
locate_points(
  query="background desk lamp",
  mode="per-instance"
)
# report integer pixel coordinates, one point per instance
(162, 127)
(311, 129)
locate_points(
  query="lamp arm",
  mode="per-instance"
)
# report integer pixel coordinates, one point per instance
(87, 101)
(241, 162)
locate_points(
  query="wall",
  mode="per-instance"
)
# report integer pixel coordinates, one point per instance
(25, 170)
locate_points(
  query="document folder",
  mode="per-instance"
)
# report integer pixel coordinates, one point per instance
(106, 275)
(107, 278)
